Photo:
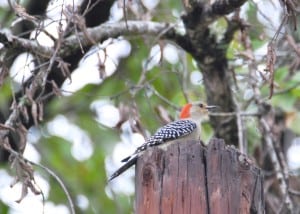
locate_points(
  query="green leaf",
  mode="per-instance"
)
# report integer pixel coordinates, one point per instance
(285, 101)
(296, 77)
(206, 132)
(280, 74)
(294, 123)
(295, 92)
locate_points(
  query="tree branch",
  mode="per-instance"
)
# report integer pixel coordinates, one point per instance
(222, 7)
(113, 30)
(92, 36)
(11, 41)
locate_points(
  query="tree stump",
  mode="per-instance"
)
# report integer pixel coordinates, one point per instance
(187, 177)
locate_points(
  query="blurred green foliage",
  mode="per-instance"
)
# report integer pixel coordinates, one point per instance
(89, 177)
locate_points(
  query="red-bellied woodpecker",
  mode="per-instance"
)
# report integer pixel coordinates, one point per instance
(187, 127)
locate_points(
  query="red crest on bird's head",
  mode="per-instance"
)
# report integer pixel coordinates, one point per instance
(185, 111)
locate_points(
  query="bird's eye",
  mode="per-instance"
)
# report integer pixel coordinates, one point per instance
(201, 105)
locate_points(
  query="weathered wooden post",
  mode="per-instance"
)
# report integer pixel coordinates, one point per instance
(190, 178)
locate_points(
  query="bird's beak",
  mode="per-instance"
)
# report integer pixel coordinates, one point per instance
(211, 107)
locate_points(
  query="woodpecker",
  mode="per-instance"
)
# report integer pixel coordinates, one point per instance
(187, 127)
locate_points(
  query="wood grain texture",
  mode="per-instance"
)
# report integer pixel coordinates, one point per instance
(189, 178)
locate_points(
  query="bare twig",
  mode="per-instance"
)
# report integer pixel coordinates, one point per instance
(21, 11)
(293, 44)
(125, 13)
(163, 98)
(90, 6)
(280, 174)
(294, 192)
(271, 59)
(242, 146)
(60, 182)
(226, 114)
(19, 157)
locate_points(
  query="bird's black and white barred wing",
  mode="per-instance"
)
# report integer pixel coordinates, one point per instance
(169, 132)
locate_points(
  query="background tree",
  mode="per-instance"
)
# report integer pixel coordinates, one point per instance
(143, 60)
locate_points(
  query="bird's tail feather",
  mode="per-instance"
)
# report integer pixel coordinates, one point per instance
(126, 159)
(123, 168)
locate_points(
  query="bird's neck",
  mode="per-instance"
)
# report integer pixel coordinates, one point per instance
(197, 120)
